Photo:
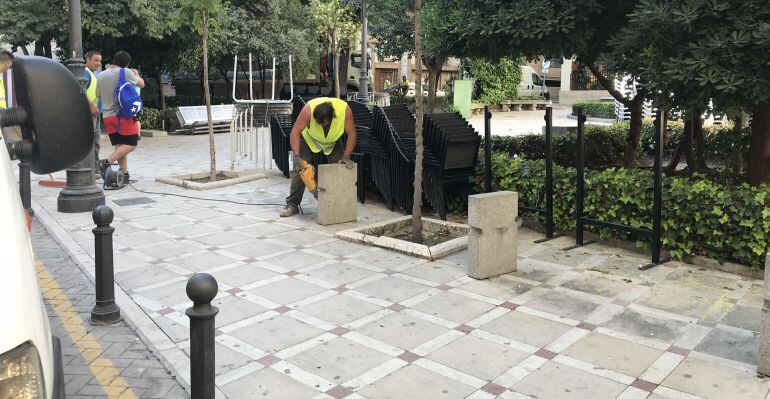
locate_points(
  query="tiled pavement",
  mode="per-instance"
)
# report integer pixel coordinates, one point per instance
(303, 315)
(105, 361)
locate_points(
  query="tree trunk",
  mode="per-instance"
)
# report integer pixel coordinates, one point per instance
(434, 65)
(684, 147)
(634, 132)
(223, 70)
(759, 155)
(212, 148)
(700, 143)
(417, 203)
(344, 72)
(336, 62)
(161, 97)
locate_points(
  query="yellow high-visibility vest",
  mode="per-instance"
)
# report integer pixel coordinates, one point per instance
(91, 89)
(3, 101)
(314, 132)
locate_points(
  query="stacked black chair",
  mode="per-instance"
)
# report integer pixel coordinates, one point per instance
(280, 128)
(456, 145)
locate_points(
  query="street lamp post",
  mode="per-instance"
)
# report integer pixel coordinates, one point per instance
(81, 193)
(363, 90)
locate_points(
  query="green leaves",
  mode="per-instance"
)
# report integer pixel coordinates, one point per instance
(495, 80)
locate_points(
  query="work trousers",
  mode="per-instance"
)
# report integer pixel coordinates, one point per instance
(297, 189)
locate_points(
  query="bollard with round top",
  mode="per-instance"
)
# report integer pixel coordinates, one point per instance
(105, 310)
(201, 289)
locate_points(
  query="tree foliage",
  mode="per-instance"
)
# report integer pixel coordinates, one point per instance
(495, 80)
(337, 25)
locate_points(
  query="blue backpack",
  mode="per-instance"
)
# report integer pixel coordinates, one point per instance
(128, 100)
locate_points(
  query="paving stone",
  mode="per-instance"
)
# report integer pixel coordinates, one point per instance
(435, 271)
(339, 360)
(644, 325)
(340, 309)
(563, 304)
(555, 380)
(287, 291)
(169, 295)
(268, 383)
(613, 354)
(221, 238)
(226, 359)
(233, 308)
(189, 230)
(392, 289)
(140, 238)
(598, 285)
(242, 275)
(203, 261)
(536, 270)
(745, 317)
(501, 288)
(402, 331)
(453, 307)
(416, 382)
(276, 333)
(680, 300)
(458, 259)
(163, 221)
(630, 269)
(526, 328)
(342, 248)
(138, 278)
(233, 221)
(172, 249)
(572, 258)
(387, 259)
(295, 260)
(477, 357)
(256, 248)
(711, 380)
(340, 273)
(732, 344)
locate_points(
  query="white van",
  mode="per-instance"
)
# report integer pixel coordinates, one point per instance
(531, 84)
(30, 357)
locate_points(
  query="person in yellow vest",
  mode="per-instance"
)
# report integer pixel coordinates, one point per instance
(93, 66)
(319, 128)
(6, 60)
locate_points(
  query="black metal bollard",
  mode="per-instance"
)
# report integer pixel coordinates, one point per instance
(201, 289)
(548, 172)
(105, 310)
(487, 150)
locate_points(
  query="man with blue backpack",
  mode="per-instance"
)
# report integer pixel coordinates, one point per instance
(121, 105)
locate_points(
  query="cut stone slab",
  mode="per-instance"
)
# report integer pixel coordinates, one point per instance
(644, 325)
(733, 344)
(527, 329)
(374, 234)
(276, 333)
(453, 307)
(402, 331)
(336, 194)
(492, 238)
(268, 384)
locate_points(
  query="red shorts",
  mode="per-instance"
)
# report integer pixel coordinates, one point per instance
(128, 126)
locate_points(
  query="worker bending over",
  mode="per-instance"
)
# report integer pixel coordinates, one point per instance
(321, 123)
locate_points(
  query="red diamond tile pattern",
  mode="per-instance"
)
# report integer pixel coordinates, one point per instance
(493, 389)
(545, 354)
(644, 385)
(408, 356)
(339, 331)
(339, 392)
(678, 350)
(268, 360)
(587, 326)
(509, 305)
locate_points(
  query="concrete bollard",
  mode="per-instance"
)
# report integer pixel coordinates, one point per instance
(336, 194)
(105, 310)
(493, 235)
(201, 289)
(763, 361)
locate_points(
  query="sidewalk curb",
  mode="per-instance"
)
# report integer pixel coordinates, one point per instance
(169, 354)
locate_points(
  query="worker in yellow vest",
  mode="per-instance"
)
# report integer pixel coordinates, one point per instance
(319, 128)
(93, 61)
(6, 60)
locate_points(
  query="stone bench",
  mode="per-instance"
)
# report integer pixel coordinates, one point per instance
(527, 105)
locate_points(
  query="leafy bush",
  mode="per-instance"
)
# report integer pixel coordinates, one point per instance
(604, 146)
(595, 109)
(729, 223)
(151, 118)
(495, 81)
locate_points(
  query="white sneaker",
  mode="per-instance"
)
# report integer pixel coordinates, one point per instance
(289, 210)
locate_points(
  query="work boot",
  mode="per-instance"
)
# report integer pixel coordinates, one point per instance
(289, 210)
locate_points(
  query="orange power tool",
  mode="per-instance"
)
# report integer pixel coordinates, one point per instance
(307, 174)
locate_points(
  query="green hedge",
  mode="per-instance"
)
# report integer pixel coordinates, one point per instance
(595, 109)
(151, 118)
(729, 223)
(605, 145)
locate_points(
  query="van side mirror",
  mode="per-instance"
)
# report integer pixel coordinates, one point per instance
(53, 113)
